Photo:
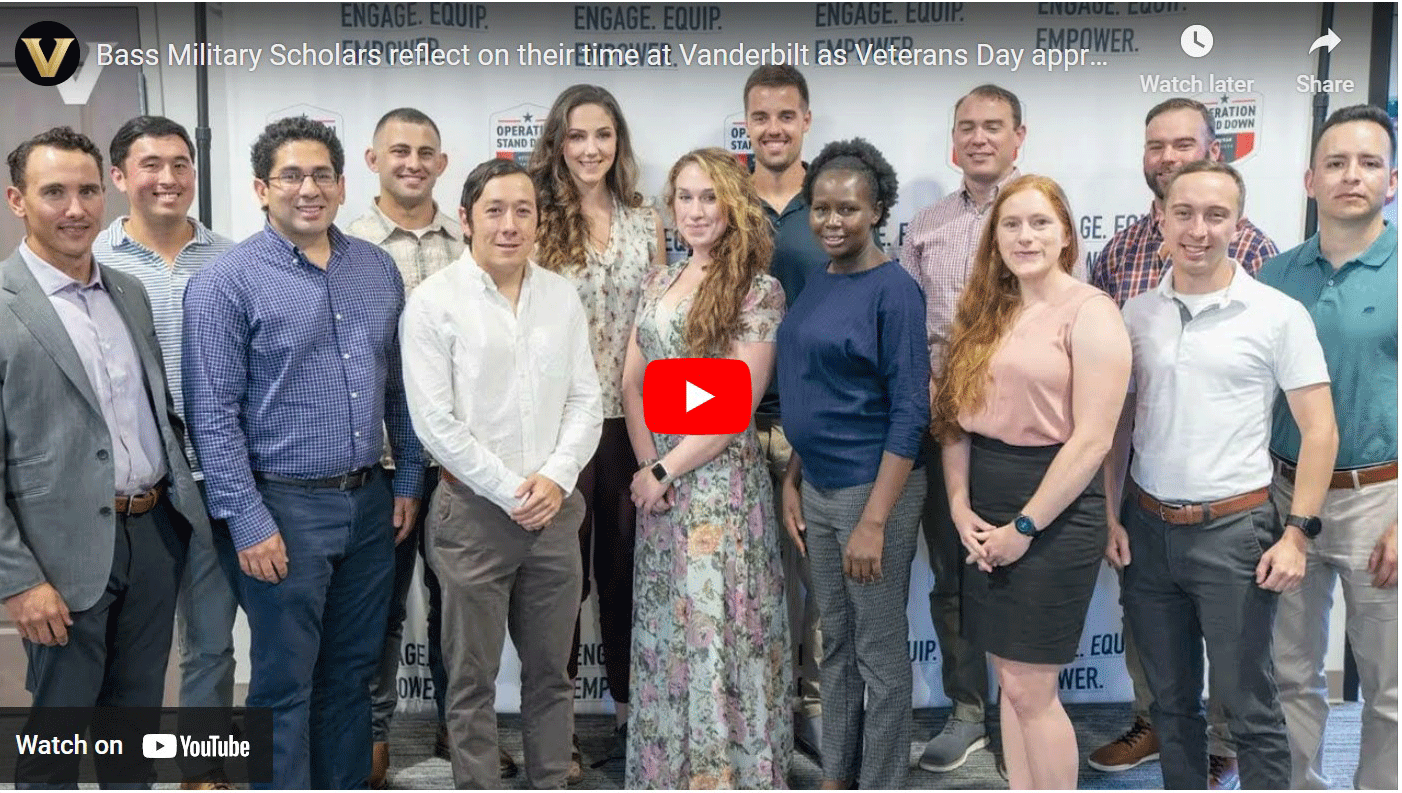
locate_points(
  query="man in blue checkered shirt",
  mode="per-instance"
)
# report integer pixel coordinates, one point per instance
(291, 369)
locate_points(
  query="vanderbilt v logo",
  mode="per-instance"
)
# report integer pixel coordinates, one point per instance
(62, 61)
(48, 67)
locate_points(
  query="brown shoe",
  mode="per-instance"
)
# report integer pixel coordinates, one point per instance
(508, 766)
(379, 765)
(1222, 773)
(576, 774)
(1138, 745)
(207, 784)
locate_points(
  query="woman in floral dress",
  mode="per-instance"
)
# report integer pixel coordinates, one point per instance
(710, 660)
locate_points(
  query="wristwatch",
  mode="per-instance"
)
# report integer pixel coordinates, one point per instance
(1311, 525)
(659, 471)
(1025, 526)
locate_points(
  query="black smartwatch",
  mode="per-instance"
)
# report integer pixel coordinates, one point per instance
(1311, 525)
(1025, 526)
(659, 471)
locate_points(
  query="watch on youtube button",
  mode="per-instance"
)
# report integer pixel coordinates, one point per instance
(697, 396)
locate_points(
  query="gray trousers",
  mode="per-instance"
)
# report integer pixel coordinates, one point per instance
(1353, 522)
(963, 667)
(865, 654)
(1196, 584)
(498, 576)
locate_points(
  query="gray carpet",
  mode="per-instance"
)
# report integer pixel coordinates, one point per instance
(414, 766)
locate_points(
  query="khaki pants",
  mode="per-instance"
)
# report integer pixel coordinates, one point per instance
(1353, 522)
(498, 576)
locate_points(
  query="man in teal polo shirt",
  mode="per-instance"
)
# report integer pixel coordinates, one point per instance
(1346, 275)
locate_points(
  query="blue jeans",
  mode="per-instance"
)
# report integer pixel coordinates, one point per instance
(317, 635)
(1191, 585)
(384, 692)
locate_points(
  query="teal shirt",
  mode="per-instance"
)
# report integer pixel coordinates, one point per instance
(1355, 315)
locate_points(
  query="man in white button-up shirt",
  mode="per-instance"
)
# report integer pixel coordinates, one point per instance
(504, 395)
(1205, 555)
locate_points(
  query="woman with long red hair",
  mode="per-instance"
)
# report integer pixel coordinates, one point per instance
(1026, 411)
(711, 663)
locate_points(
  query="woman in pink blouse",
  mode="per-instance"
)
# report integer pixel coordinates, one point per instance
(1026, 411)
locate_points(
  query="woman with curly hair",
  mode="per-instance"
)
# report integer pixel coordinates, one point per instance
(855, 376)
(710, 635)
(1026, 411)
(596, 232)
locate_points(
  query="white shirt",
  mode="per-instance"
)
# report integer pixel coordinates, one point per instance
(1206, 384)
(495, 394)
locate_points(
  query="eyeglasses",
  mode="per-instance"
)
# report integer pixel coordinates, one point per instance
(292, 180)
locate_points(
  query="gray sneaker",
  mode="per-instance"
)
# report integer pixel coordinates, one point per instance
(952, 746)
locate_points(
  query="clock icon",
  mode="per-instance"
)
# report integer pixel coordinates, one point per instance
(1196, 40)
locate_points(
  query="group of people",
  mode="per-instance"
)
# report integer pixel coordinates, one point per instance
(470, 388)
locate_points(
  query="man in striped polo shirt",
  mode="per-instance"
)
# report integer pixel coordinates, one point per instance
(158, 243)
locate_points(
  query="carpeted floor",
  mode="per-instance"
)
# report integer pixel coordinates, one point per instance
(414, 766)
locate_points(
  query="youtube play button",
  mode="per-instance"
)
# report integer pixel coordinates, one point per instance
(697, 396)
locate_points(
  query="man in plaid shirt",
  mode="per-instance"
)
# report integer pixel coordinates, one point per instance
(1177, 131)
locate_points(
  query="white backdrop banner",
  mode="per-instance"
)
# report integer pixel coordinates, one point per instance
(890, 72)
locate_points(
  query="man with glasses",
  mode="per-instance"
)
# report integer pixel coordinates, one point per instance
(291, 366)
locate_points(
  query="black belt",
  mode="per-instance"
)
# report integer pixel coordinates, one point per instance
(348, 481)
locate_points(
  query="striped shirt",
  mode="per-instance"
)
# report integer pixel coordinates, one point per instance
(417, 253)
(939, 246)
(1133, 261)
(165, 285)
(294, 370)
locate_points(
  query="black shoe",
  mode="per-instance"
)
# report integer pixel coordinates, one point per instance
(618, 750)
(440, 743)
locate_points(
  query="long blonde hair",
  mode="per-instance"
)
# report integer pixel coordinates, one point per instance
(987, 307)
(741, 253)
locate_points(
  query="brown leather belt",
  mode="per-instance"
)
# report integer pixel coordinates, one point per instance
(449, 478)
(1345, 479)
(141, 503)
(1190, 514)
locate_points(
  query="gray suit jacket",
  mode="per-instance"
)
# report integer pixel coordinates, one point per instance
(58, 524)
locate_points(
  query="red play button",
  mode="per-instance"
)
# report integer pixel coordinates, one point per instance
(696, 396)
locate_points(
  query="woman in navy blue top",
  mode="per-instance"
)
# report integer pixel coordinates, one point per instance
(855, 376)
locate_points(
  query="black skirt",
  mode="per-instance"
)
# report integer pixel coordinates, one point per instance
(1034, 609)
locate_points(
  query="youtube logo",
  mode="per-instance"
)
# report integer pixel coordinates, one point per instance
(696, 396)
(158, 745)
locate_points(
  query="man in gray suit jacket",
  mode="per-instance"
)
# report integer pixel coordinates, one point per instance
(99, 501)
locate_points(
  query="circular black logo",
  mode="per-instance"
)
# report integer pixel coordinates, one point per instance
(47, 53)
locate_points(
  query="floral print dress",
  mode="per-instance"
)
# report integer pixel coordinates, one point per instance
(711, 670)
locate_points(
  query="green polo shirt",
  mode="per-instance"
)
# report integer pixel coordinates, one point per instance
(1355, 314)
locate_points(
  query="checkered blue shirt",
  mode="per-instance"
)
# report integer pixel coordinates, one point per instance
(293, 370)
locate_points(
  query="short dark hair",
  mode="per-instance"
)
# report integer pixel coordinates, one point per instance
(485, 172)
(63, 138)
(775, 76)
(143, 127)
(1371, 113)
(408, 115)
(1212, 166)
(860, 157)
(991, 91)
(1184, 103)
(289, 130)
